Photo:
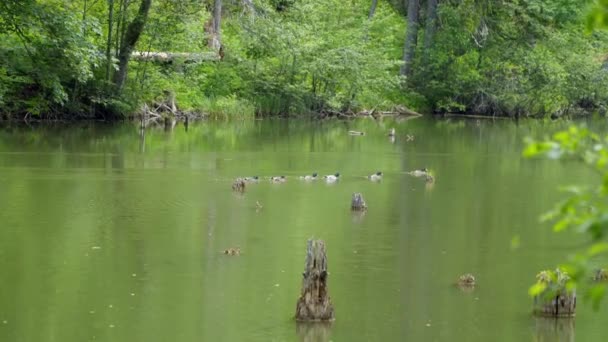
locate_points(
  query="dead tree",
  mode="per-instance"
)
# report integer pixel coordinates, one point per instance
(314, 303)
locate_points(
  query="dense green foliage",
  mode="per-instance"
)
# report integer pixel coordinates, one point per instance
(518, 57)
(585, 209)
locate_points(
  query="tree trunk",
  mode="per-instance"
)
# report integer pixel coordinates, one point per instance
(249, 6)
(109, 42)
(411, 38)
(314, 303)
(372, 9)
(132, 34)
(431, 18)
(213, 27)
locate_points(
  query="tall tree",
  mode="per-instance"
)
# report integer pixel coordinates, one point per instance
(372, 9)
(431, 18)
(411, 37)
(213, 27)
(109, 41)
(132, 34)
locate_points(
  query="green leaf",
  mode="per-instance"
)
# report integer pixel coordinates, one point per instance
(597, 248)
(537, 289)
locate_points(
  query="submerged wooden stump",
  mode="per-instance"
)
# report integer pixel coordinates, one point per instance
(314, 303)
(556, 300)
(600, 275)
(358, 203)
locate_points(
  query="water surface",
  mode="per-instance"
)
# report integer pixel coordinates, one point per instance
(108, 236)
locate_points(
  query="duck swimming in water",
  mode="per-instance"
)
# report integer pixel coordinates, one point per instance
(332, 178)
(278, 179)
(391, 132)
(419, 172)
(375, 177)
(232, 251)
(309, 177)
(253, 179)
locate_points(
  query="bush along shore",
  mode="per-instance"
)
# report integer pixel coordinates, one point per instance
(118, 59)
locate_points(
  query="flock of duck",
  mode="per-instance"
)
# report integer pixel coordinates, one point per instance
(239, 183)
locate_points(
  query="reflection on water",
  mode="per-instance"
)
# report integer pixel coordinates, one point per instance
(554, 329)
(314, 331)
(112, 236)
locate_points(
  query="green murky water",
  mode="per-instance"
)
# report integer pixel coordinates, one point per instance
(106, 236)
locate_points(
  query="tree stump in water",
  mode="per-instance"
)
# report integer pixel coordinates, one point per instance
(358, 203)
(600, 275)
(314, 303)
(555, 299)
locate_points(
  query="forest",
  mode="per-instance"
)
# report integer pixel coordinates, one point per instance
(105, 59)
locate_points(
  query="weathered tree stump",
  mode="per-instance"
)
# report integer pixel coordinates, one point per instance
(600, 275)
(466, 280)
(555, 300)
(314, 303)
(358, 203)
(239, 185)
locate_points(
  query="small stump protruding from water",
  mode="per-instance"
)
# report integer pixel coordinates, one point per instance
(555, 298)
(466, 280)
(239, 185)
(358, 203)
(314, 303)
(600, 275)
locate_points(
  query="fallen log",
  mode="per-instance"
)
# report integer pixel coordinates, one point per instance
(170, 56)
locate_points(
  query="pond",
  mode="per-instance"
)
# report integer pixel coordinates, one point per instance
(110, 236)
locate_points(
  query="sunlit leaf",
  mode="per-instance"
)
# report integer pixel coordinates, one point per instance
(598, 248)
(537, 289)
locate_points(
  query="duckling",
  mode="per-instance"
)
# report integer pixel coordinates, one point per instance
(419, 172)
(332, 178)
(391, 132)
(309, 177)
(232, 251)
(356, 133)
(375, 177)
(238, 185)
(253, 179)
(278, 179)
